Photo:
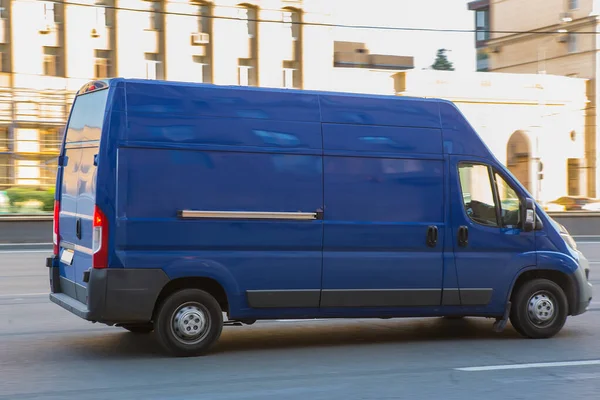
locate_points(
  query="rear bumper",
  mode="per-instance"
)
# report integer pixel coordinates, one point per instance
(114, 296)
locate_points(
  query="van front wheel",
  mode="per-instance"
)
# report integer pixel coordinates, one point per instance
(188, 323)
(539, 309)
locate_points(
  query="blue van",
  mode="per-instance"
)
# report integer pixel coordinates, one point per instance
(178, 203)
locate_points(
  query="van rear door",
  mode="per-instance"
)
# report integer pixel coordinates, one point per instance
(77, 195)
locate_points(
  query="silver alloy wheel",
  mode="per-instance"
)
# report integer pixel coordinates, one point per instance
(190, 323)
(541, 309)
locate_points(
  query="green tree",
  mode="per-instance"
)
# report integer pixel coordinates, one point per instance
(442, 62)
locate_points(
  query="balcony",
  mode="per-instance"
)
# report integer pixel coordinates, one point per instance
(101, 38)
(49, 35)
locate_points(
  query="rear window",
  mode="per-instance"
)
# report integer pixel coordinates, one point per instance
(87, 117)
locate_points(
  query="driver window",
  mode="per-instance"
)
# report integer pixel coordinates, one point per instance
(509, 203)
(478, 196)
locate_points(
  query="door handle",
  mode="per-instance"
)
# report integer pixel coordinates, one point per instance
(78, 228)
(432, 236)
(463, 236)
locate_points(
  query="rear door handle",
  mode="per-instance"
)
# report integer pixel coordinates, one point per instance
(463, 236)
(78, 228)
(432, 236)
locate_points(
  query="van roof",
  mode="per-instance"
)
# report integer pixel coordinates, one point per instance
(114, 81)
(279, 104)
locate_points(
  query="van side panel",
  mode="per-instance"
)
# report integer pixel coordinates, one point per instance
(384, 186)
(184, 99)
(220, 158)
(459, 135)
(379, 110)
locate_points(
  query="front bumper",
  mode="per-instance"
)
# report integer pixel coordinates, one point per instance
(584, 287)
(114, 295)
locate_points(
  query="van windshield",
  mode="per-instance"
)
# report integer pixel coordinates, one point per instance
(87, 117)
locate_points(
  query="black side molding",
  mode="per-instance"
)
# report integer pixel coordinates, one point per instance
(381, 298)
(476, 297)
(308, 298)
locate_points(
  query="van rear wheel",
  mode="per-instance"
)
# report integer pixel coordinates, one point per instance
(188, 323)
(539, 309)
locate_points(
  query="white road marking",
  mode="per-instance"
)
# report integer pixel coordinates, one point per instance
(528, 366)
(10, 296)
(24, 244)
(24, 251)
(568, 377)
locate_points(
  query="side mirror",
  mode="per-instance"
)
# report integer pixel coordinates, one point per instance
(528, 215)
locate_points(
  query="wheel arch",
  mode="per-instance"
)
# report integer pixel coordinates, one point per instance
(209, 285)
(565, 281)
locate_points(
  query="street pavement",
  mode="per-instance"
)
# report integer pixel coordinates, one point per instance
(47, 353)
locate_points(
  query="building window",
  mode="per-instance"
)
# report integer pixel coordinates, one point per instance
(52, 62)
(483, 61)
(50, 14)
(155, 16)
(27, 141)
(573, 174)
(4, 58)
(4, 9)
(153, 66)
(105, 13)
(101, 20)
(291, 21)
(203, 72)
(249, 14)
(288, 78)
(244, 75)
(573, 4)
(28, 172)
(572, 42)
(50, 140)
(204, 18)
(482, 25)
(292, 64)
(3, 139)
(102, 64)
(248, 60)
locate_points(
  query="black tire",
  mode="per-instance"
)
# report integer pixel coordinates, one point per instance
(139, 328)
(205, 323)
(549, 302)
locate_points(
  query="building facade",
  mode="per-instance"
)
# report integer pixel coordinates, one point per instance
(532, 123)
(49, 49)
(561, 39)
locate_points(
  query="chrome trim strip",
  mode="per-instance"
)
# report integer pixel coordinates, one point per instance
(70, 246)
(84, 250)
(67, 245)
(296, 216)
(76, 215)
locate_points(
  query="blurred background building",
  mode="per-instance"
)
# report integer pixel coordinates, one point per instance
(554, 37)
(49, 49)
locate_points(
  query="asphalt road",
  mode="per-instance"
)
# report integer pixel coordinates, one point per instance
(47, 353)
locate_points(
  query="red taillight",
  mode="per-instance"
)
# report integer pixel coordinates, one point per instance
(55, 228)
(100, 240)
